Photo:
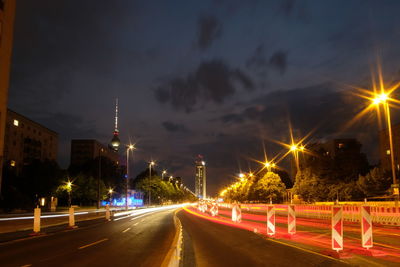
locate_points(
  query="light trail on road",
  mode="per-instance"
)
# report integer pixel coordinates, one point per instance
(315, 235)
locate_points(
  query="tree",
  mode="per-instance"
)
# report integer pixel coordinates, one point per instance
(374, 183)
(37, 179)
(83, 190)
(269, 187)
(309, 186)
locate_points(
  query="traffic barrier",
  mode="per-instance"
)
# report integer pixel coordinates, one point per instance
(36, 220)
(236, 213)
(270, 220)
(214, 209)
(366, 227)
(291, 219)
(71, 217)
(337, 228)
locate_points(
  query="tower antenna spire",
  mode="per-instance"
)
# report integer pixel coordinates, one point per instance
(116, 116)
(115, 142)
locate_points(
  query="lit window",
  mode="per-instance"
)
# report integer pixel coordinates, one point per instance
(341, 145)
(12, 163)
(388, 152)
(16, 122)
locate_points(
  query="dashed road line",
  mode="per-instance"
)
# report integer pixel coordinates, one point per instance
(94, 243)
(126, 230)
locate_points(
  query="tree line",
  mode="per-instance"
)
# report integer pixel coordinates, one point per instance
(22, 190)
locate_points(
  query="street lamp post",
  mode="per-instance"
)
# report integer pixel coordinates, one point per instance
(110, 191)
(98, 180)
(162, 174)
(69, 189)
(150, 165)
(382, 99)
(130, 147)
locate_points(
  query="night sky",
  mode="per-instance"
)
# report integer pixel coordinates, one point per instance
(218, 78)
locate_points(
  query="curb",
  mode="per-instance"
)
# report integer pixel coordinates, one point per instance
(173, 257)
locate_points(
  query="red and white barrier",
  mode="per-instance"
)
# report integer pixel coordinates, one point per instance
(337, 228)
(366, 227)
(214, 209)
(291, 219)
(270, 220)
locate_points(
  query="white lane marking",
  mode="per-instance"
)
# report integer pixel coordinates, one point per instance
(137, 217)
(126, 230)
(136, 224)
(94, 243)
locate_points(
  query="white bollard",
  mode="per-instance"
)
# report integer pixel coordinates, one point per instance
(337, 228)
(36, 220)
(234, 214)
(108, 215)
(238, 213)
(71, 217)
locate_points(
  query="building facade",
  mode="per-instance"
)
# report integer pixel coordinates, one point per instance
(384, 148)
(340, 156)
(26, 140)
(7, 14)
(201, 181)
(84, 150)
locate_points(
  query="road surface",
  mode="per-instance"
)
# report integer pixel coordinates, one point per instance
(141, 240)
(212, 244)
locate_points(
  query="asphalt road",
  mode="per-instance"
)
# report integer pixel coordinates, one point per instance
(211, 244)
(142, 240)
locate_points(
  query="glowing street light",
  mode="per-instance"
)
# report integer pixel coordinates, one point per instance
(69, 190)
(164, 172)
(151, 164)
(383, 98)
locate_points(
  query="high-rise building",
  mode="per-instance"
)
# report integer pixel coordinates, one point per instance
(200, 183)
(26, 140)
(84, 150)
(115, 142)
(7, 14)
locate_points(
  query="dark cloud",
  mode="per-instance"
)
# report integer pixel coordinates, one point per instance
(295, 9)
(209, 29)
(258, 61)
(213, 81)
(287, 7)
(323, 108)
(278, 61)
(232, 118)
(174, 127)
